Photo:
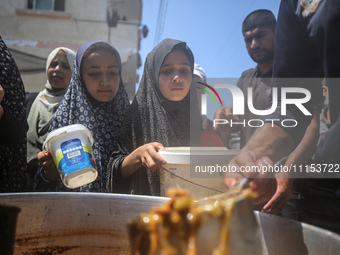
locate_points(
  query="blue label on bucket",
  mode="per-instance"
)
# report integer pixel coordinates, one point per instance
(74, 157)
(72, 151)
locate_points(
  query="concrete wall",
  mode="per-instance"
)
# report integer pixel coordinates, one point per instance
(39, 32)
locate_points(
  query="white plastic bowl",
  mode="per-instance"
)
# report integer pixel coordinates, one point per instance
(197, 169)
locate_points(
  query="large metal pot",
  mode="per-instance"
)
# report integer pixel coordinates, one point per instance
(88, 223)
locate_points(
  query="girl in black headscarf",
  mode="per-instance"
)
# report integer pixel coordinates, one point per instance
(164, 113)
(13, 125)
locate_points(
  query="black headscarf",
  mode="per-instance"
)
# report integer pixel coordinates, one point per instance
(13, 125)
(153, 118)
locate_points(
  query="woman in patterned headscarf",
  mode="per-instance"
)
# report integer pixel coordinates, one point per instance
(164, 113)
(97, 99)
(59, 69)
(13, 125)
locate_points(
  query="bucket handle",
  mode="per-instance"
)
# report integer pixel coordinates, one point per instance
(188, 180)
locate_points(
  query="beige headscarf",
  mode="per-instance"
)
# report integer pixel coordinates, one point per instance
(42, 111)
(70, 55)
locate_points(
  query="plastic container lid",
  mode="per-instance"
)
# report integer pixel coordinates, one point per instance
(67, 130)
(197, 155)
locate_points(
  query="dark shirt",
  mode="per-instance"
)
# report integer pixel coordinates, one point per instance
(260, 84)
(30, 97)
(306, 50)
(12, 130)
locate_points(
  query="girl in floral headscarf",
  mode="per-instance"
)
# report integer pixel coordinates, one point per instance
(97, 99)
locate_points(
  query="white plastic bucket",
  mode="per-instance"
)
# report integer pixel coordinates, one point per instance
(176, 173)
(71, 149)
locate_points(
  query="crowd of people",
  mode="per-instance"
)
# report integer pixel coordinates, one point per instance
(86, 88)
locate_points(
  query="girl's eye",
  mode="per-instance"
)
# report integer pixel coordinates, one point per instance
(113, 73)
(167, 71)
(184, 71)
(66, 66)
(53, 64)
(93, 74)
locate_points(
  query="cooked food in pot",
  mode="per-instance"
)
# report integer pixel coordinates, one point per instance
(179, 226)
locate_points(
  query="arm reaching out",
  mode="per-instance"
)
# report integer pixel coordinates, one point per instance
(146, 156)
(267, 145)
(300, 156)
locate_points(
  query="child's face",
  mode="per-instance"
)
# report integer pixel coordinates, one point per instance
(101, 75)
(59, 72)
(175, 76)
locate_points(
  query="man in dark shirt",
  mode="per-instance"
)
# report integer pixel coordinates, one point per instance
(258, 30)
(306, 46)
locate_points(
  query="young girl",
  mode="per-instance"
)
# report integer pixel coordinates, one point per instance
(59, 69)
(97, 99)
(160, 115)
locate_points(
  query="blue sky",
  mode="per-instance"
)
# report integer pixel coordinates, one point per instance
(212, 29)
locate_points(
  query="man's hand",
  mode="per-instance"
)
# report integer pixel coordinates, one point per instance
(263, 184)
(284, 190)
(226, 113)
(267, 145)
